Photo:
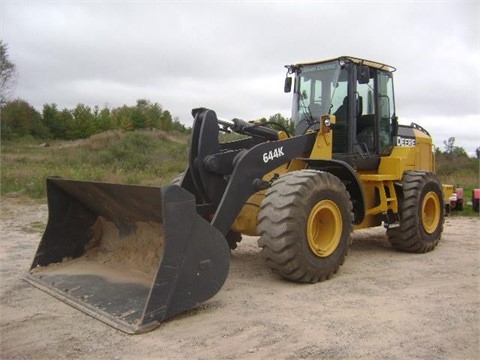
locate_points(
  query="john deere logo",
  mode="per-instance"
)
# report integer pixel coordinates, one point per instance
(401, 141)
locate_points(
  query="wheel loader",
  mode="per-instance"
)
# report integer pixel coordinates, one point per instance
(134, 256)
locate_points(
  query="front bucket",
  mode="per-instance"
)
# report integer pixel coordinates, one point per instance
(131, 256)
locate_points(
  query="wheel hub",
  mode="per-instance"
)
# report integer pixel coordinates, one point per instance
(431, 212)
(324, 228)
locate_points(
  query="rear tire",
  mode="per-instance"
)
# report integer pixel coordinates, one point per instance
(305, 223)
(421, 213)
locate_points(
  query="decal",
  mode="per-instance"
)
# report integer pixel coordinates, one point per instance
(402, 141)
(273, 154)
(318, 67)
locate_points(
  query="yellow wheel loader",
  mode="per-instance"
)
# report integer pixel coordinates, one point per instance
(134, 256)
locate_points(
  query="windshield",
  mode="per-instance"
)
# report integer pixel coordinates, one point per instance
(316, 93)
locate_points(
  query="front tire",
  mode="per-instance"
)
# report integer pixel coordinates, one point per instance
(305, 223)
(421, 213)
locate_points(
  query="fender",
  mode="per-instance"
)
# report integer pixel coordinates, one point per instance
(349, 177)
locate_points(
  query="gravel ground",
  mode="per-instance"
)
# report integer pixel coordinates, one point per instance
(382, 304)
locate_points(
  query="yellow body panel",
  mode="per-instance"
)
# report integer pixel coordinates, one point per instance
(424, 157)
(378, 186)
(380, 197)
(324, 141)
(246, 221)
(401, 159)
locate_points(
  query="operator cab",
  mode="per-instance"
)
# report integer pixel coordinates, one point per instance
(360, 95)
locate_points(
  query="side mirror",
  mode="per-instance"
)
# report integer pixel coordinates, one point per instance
(363, 74)
(288, 84)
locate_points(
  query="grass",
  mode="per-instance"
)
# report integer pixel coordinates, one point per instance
(140, 157)
(143, 158)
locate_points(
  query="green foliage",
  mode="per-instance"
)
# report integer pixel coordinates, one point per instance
(53, 121)
(454, 161)
(138, 157)
(82, 124)
(279, 122)
(21, 119)
(451, 149)
(103, 118)
(8, 73)
(178, 126)
(450, 164)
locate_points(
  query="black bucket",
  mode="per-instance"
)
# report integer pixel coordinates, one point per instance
(131, 256)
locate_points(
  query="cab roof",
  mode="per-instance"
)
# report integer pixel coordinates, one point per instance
(355, 60)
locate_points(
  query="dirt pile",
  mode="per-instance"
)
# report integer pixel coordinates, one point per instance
(141, 249)
(118, 256)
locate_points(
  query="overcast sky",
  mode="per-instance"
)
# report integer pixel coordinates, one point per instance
(229, 56)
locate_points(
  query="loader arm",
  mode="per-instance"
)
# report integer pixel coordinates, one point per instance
(247, 175)
(226, 175)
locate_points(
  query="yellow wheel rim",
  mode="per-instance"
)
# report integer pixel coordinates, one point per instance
(324, 228)
(431, 212)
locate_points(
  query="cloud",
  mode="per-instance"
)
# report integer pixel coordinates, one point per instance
(230, 55)
(465, 130)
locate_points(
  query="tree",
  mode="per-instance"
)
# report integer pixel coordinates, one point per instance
(121, 118)
(83, 124)
(65, 117)
(459, 151)
(279, 122)
(178, 126)
(8, 74)
(452, 150)
(154, 116)
(54, 121)
(449, 145)
(19, 119)
(103, 119)
(167, 121)
(138, 115)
